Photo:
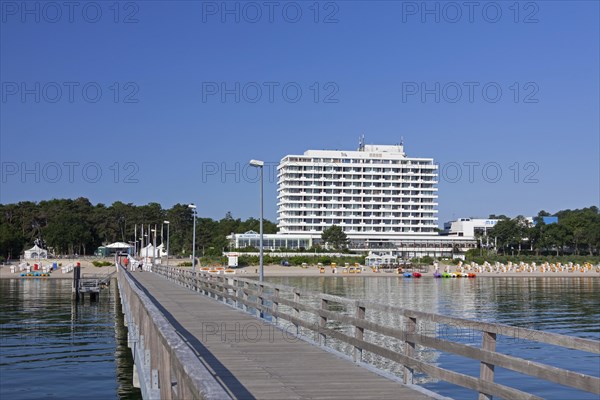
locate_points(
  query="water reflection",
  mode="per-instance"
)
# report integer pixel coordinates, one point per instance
(51, 347)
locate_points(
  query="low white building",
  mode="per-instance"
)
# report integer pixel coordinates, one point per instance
(404, 247)
(270, 241)
(467, 227)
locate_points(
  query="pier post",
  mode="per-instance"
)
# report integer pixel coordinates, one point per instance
(409, 348)
(323, 321)
(259, 301)
(297, 310)
(359, 333)
(76, 278)
(245, 294)
(239, 294)
(486, 371)
(222, 283)
(276, 304)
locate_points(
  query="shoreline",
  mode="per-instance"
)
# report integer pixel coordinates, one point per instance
(292, 272)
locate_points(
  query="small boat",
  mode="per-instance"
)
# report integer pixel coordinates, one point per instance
(416, 274)
(407, 275)
(437, 275)
(446, 275)
(471, 275)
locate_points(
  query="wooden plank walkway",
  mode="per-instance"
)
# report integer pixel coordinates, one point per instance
(253, 359)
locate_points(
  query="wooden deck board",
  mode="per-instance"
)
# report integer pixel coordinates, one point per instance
(254, 359)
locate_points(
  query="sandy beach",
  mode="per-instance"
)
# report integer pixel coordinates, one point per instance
(279, 271)
(87, 268)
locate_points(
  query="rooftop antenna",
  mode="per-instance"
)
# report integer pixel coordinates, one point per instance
(361, 142)
(401, 140)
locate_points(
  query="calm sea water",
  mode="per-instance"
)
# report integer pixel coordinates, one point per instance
(51, 347)
(569, 306)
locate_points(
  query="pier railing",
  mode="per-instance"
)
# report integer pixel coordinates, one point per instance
(344, 320)
(165, 366)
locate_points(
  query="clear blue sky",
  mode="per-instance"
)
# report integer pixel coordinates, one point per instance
(375, 64)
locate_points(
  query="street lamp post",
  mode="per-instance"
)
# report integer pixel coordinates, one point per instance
(260, 165)
(168, 224)
(154, 246)
(193, 207)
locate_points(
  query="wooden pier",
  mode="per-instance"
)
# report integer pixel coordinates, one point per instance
(250, 359)
(203, 323)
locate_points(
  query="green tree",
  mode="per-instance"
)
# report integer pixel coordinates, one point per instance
(181, 218)
(506, 232)
(580, 224)
(206, 229)
(11, 241)
(335, 236)
(522, 231)
(556, 237)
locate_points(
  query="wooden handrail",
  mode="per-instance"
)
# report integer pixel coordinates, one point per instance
(587, 345)
(240, 291)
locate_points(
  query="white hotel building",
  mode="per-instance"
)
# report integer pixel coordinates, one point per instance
(373, 193)
(382, 199)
